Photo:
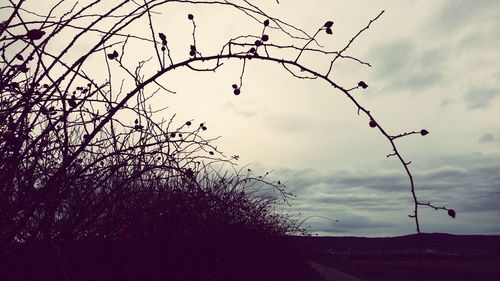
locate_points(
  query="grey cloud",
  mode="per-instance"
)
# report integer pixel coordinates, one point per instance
(471, 26)
(447, 101)
(385, 183)
(404, 66)
(360, 201)
(480, 97)
(486, 138)
(393, 58)
(446, 174)
(433, 57)
(481, 201)
(423, 61)
(422, 80)
(468, 183)
(349, 224)
(490, 138)
(456, 15)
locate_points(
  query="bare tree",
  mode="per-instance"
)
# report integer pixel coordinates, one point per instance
(74, 167)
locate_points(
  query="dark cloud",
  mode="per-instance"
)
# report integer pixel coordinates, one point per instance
(481, 200)
(346, 224)
(480, 97)
(468, 183)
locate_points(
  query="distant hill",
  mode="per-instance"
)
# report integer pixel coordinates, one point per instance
(449, 243)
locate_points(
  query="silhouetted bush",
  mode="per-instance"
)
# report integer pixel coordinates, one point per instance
(88, 195)
(177, 231)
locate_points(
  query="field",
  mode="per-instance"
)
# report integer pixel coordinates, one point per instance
(444, 257)
(388, 270)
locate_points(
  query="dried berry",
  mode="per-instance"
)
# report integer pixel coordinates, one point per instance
(328, 24)
(452, 213)
(362, 84)
(35, 34)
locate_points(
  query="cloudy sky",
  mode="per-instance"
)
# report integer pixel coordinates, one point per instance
(435, 65)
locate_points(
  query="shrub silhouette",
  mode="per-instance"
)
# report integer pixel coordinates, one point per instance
(170, 230)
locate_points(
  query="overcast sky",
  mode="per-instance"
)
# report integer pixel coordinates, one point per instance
(435, 65)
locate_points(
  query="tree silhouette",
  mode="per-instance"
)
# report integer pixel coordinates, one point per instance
(76, 168)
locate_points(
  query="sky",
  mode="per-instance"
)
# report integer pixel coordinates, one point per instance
(434, 64)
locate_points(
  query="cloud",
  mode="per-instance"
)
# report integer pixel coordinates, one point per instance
(404, 66)
(480, 97)
(392, 58)
(240, 110)
(346, 224)
(490, 138)
(445, 102)
(422, 80)
(455, 16)
(486, 138)
(369, 200)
